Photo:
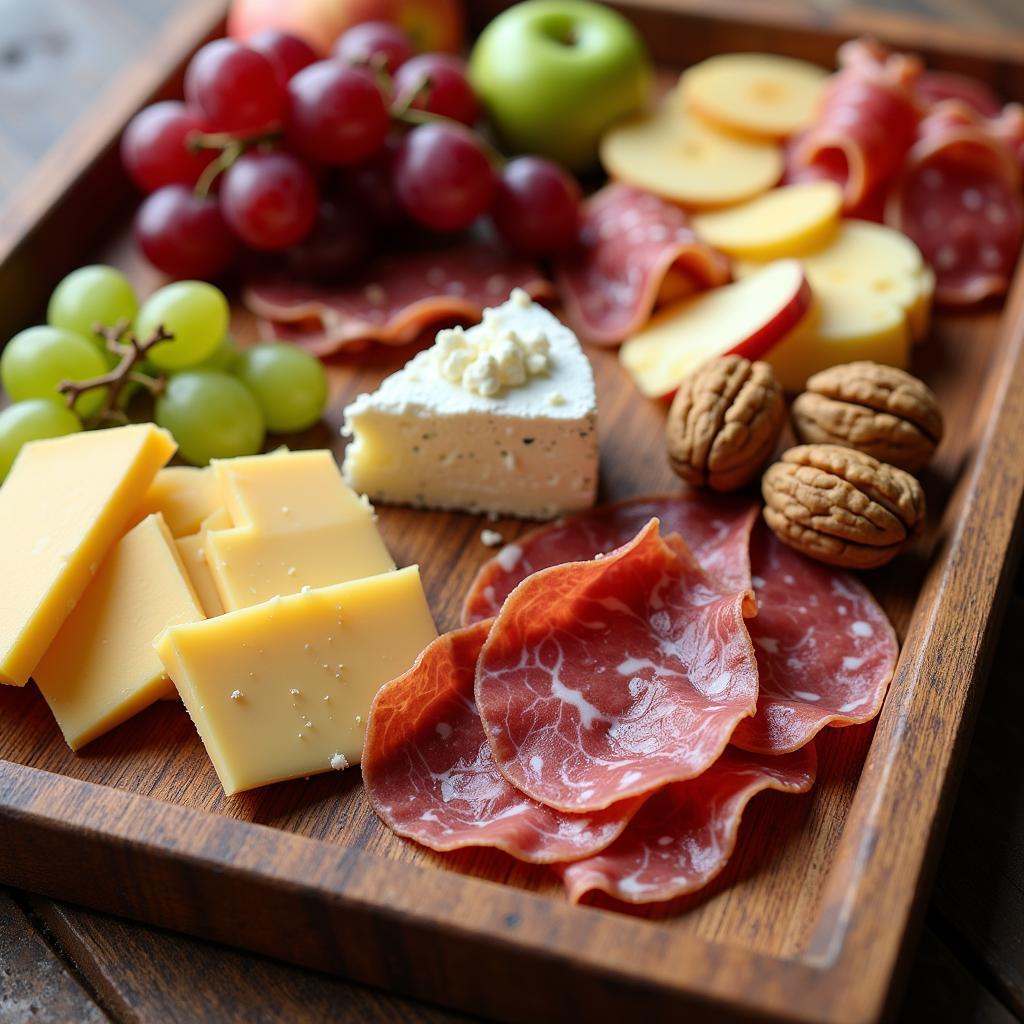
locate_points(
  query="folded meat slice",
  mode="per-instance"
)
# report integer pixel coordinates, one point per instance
(683, 836)
(607, 679)
(430, 776)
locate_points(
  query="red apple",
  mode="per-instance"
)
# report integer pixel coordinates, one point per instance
(434, 25)
(748, 318)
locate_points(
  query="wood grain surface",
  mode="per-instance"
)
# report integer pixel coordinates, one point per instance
(773, 902)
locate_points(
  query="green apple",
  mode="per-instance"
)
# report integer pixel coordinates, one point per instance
(556, 74)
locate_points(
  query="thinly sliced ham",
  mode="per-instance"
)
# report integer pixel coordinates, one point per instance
(430, 776)
(397, 298)
(716, 529)
(632, 245)
(684, 835)
(825, 649)
(607, 679)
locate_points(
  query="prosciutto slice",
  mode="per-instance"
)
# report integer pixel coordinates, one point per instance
(430, 776)
(715, 528)
(684, 835)
(607, 679)
(632, 247)
(397, 298)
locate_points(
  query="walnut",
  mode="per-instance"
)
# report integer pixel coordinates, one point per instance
(724, 423)
(841, 506)
(877, 409)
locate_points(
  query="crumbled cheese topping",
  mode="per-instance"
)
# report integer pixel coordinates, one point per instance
(339, 762)
(491, 538)
(495, 357)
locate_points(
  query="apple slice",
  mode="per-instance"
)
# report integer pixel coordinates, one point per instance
(685, 160)
(757, 93)
(747, 318)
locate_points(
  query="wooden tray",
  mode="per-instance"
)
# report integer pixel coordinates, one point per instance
(809, 921)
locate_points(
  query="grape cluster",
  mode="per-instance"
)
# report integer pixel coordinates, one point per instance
(279, 152)
(217, 401)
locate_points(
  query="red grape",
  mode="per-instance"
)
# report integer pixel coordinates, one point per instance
(369, 185)
(287, 53)
(443, 177)
(537, 209)
(269, 199)
(236, 88)
(336, 114)
(184, 235)
(447, 93)
(154, 147)
(339, 244)
(375, 43)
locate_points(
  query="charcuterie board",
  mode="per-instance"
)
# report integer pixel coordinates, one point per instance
(810, 920)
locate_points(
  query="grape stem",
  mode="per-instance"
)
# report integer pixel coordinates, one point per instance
(123, 343)
(231, 148)
(405, 113)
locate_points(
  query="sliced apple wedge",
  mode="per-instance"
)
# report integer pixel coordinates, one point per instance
(748, 318)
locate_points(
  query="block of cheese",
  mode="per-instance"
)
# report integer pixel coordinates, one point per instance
(63, 506)
(296, 524)
(185, 496)
(281, 690)
(501, 418)
(192, 550)
(101, 667)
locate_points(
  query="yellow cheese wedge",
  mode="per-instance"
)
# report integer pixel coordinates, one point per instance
(185, 496)
(192, 550)
(101, 667)
(757, 93)
(296, 524)
(682, 158)
(282, 690)
(63, 506)
(787, 221)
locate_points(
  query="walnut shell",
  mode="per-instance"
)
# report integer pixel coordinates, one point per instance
(876, 409)
(724, 423)
(841, 506)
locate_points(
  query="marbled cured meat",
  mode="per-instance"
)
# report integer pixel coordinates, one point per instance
(607, 679)
(430, 776)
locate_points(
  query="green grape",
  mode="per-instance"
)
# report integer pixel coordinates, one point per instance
(224, 357)
(38, 359)
(211, 415)
(89, 296)
(289, 384)
(196, 314)
(32, 421)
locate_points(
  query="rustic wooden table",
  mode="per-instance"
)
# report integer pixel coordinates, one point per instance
(61, 964)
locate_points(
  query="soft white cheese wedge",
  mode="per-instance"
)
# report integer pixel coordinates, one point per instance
(501, 418)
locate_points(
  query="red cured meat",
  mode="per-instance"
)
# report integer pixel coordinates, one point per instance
(716, 528)
(398, 296)
(868, 120)
(825, 649)
(631, 244)
(937, 86)
(684, 835)
(430, 776)
(607, 679)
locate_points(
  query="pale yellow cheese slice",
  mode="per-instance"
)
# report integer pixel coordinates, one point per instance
(282, 690)
(63, 506)
(101, 667)
(185, 496)
(296, 524)
(192, 550)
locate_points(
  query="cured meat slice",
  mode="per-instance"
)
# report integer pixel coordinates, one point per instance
(937, 86)
(430, 776)
(716, 529)
(867, 123)
(606, 679)
(825, 649)
(398, 296)
(684, 835)
(632, 244)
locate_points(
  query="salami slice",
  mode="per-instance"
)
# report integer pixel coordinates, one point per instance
(606, 679)
(716, 528)
(825, 649)
(685, 834)
(935, 87)
(631, 245)
(430, 776)
(398, 297)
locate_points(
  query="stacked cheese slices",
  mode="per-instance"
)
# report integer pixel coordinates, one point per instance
(259, 586)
